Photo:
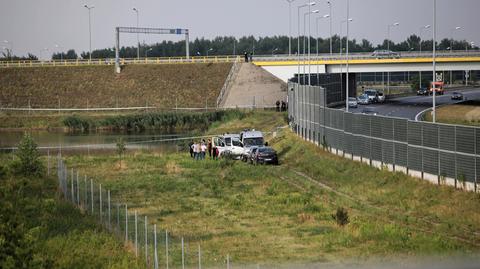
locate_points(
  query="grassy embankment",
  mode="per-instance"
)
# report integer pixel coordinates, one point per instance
(467, 113)
(160, 86)
(40, 230)
(282, 214)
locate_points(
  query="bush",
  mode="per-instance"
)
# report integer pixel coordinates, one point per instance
(75, 122)
(28, 163)
(341, 217)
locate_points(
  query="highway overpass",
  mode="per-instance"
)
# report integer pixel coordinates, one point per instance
(285, 67)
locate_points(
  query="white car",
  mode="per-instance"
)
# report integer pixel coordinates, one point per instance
(381, 97)
(352, 102)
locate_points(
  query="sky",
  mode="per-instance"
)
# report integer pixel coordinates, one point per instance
(36, 26)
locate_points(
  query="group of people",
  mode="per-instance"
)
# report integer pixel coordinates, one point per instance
(198, 150)
(248, 56)
(283, 106)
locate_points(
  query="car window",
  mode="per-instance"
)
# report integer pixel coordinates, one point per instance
(237, 143)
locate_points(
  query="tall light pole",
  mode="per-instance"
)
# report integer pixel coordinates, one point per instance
(290, 27)
(298, 36)
(146, 52)
(341, 49)
(329, 3)
(308, 43)
(90, 29)
(138, 40)
(388, 48)
(451, 47)
(61, 53)
(434, 78)
(420, 35)
(318, 37)
(210, 49)
(348, 33)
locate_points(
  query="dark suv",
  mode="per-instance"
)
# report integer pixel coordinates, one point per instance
(265, 155)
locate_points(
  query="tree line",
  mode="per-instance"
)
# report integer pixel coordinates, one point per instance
(229, 45)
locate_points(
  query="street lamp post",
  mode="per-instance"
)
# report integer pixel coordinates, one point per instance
(290, 27)
(434, 112)
(146, 52)
(388, 48)
(451, 47)
(330, 16)
(61, 53)
(348, 33)
(420, 35)
(318, 37)
(341, 50)
(298, 37)
(138, 40)
(308, 43)
(90, 29)
(210, 49)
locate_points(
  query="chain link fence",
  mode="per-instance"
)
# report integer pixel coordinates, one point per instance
(152, 246)
(441, 153)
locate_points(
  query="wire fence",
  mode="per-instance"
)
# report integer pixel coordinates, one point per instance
(440, 153)
(152, 246)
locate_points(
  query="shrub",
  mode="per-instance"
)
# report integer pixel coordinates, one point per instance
(28, 163)
(341, 216)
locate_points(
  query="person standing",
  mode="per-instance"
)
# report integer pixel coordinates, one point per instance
(203, 149)
(245, 54)
(190, 146)
(197, 150)
(209, 148)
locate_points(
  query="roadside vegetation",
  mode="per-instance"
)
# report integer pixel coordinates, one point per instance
(466, 113)
(314, 207)
(40, 230)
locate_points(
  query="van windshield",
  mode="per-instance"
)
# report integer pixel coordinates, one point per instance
(237, 143)
(253, 141)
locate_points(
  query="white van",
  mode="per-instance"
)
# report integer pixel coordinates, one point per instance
(229, 144)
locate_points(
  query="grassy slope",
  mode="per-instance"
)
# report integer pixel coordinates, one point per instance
(467, 113)
(275, 214)
(59, 234)
(138, 85)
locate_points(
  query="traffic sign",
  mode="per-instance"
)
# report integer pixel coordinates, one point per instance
(467, 74)
(439, 77)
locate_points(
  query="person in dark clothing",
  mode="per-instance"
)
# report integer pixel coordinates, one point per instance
(250, 56)
(246, 56)
(190, 146)
(284, 106)
(277, 105)
(209, 148)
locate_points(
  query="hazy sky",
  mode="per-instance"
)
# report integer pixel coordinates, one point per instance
(33, 25)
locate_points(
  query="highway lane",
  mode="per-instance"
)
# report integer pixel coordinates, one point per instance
(409, 106)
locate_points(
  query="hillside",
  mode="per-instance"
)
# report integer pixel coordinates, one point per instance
(97, 86)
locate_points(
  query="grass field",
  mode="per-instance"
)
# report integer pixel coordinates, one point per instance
(283, 214)
(43, 231)
(162, 86)
(467, 113)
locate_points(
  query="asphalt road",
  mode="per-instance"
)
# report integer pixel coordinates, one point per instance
(409, 106)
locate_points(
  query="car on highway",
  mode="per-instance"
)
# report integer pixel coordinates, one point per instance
(369, 111)
(363, 99)
(264, 155)
(437, 87)
(422, 91)
(352, 102)
(457, 96)
(381, 97)
(385, 54)
(372, 95)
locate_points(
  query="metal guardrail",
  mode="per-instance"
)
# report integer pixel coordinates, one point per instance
(440, 153)
(230, 59)
(228, 82)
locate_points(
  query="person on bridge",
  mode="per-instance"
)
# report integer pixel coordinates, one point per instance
(246, 56)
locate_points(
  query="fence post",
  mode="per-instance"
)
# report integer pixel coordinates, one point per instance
(199, 257)
(455, 139)
(146, 242)
(126, 223)
(155, 256)
(183, 255)
(109, 216)
(136, 234)
(228, 261)
(166, 247)
(72, 191)
(91, 193)
(100, 199)
(78, 191)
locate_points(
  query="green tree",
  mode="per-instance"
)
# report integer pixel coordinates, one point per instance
(28, 163)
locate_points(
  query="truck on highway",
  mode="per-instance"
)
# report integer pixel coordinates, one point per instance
(437, 87)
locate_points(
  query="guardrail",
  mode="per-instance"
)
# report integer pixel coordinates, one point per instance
(228, 82)
(230, 58)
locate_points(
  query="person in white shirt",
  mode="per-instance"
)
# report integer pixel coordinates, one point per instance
(203, 149)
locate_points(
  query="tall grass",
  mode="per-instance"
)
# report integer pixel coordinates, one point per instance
(166, 121)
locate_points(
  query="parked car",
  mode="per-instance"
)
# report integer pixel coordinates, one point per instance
(385, 54)
(422, 91)
(457, 96)
(363, 99)
(372, 95)
(369, 111)
(380, 97)
(352, 102)
(264, 155)
(251, 154)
